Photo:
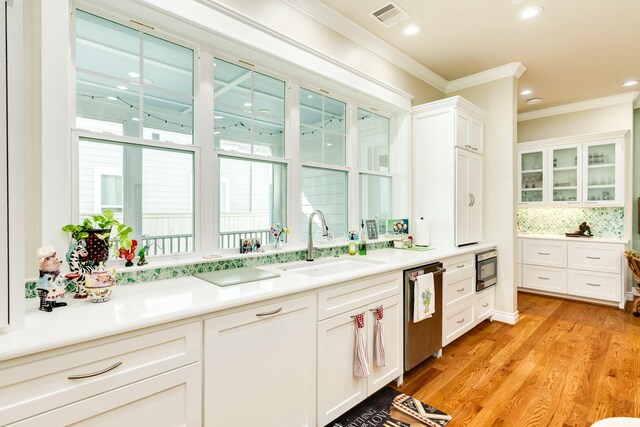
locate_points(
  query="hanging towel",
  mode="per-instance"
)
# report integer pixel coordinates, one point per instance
(360, 362)
(378, 332)
(424, 297)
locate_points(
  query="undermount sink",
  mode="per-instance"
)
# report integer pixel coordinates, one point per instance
(328, 266)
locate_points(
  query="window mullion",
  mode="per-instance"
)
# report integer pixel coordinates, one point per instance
(292, 147)
(352, 161)
(207, 170)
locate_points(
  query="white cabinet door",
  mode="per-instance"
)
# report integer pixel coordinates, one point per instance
(565, 174)
(550, 279)
(172, 399)
(603, 178)
(260, 366)
(469, 132)
(393, 337)
(338, 389)
(4, 207)
(468, 197)
(532, 177)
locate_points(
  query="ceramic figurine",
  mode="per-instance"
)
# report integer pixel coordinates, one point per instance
(142, 253)
(78, 268)
(130, 254)
(100, 284)
(51, 285)
(583, 231)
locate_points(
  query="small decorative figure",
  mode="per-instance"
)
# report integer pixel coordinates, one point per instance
(100, 284)
(142, 253)
(78, 268)
(129, 254)
(51, 286)
(583, 231)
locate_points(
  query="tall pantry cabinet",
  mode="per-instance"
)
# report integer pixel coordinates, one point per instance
(448, 145)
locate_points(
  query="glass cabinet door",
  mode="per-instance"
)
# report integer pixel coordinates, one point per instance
(532, 176)
(565, 174)
(600, 180)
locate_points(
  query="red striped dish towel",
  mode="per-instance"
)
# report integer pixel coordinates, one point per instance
(360, 362)
(378, 334)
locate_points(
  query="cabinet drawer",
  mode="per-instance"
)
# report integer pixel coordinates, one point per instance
(595, 285)
(595, 257)
(357, 293)
(544, 278)
(48, 383)
(485, 303)
(544, 252)
(459, 262)
(457, 323)
(457, 285)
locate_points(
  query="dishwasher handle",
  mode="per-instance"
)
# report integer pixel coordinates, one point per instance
(438, 270)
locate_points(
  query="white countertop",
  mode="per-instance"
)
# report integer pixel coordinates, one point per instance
(148, 304)
(572, 239)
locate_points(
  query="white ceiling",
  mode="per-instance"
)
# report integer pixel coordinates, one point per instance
(575, 50)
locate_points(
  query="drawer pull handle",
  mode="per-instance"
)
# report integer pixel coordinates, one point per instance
(593, 257)
(461, 320)
(544, 253)
(593, 284)
(460, 290)
(543, 278)
(467, 146)
(376, 309)
(485, 304)
(460, 266)
(269, 313)
(96, 373)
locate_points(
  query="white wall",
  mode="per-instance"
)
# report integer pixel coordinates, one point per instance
(499, 99)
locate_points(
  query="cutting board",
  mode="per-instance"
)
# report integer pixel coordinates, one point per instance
(235, 276)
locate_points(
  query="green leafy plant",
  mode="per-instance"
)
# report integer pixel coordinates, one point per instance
(104, 221)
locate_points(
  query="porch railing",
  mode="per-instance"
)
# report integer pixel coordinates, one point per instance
(181, 243)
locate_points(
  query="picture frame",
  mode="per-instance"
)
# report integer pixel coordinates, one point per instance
(250, 244)
(372, 229)
(398, 226)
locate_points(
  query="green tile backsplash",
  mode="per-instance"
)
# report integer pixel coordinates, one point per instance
(161, 273)
(604, 222)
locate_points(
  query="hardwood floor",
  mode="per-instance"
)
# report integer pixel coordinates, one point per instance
(565, 363)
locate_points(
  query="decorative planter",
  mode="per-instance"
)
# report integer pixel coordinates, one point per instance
(97, 248)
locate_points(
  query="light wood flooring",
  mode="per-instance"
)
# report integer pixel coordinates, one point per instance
(565, 363)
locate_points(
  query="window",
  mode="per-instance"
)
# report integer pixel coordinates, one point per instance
(134, 79)
(133, 84)
(373, 161)
(249, 121)
(323, 146)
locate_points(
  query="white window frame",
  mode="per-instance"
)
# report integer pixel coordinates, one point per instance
(368, 172)
(98, 173)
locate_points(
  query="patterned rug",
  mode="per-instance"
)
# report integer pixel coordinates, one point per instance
(378, 411)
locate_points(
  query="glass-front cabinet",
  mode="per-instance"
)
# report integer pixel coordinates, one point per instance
(565, 167)
(532, 176)
(602, 172)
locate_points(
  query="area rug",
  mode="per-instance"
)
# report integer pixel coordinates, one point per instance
(378, 411)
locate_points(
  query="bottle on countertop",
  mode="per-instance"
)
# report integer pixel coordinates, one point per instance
(363, 240)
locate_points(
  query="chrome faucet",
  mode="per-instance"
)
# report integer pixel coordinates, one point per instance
(325, 233)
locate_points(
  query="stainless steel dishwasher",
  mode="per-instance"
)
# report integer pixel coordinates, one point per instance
(422, 339)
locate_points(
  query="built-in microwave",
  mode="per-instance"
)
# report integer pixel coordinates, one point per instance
(486, 269)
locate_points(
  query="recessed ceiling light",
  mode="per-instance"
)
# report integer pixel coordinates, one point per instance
(329, 144)
(630, 83)
(112, 98)
(121, 87)
(534, 101)
(526, 92)
(218, 117)
(530, 12)
(135, 119)
(133, 74)
(217, 132)
(310, 96)
(411, 30)
(248, 104)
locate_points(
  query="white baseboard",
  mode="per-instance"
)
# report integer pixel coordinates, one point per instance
(629, 296)
(505, 317)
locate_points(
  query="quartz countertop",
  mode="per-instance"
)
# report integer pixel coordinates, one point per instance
(149, 304)
(573, 239)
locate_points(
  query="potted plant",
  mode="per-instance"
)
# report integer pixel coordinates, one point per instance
(96, 231)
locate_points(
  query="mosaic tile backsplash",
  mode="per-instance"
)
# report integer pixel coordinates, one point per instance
(604, 222)
(162, 273)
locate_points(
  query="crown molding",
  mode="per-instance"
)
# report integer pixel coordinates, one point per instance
(343, 25)
(623, 98)
(514, 69)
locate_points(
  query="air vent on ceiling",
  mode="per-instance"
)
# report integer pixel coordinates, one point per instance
(389, 15)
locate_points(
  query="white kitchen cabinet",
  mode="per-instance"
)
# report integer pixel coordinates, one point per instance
(468, 197)
(581, 268)
(532, 176)
(65, 380)
(338, 389)
(260, 365)
(171, 399)
(583, 170)
(447, 179)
